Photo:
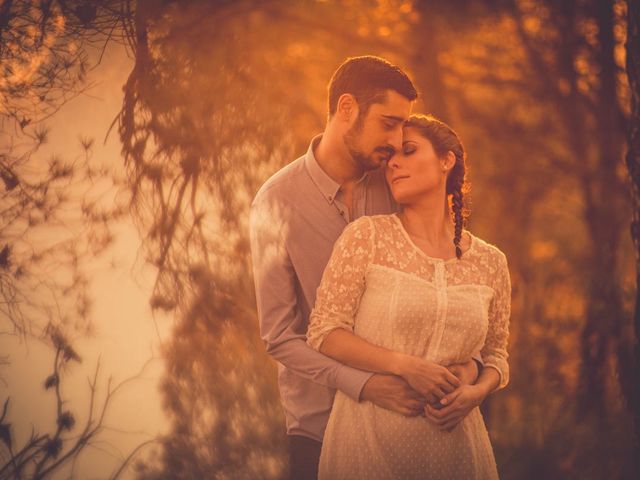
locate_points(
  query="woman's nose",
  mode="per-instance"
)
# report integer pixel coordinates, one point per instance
(393, 161)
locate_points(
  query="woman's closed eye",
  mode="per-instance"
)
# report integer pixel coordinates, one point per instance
(408, 150)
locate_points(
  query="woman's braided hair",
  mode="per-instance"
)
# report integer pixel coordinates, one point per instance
(444, 140)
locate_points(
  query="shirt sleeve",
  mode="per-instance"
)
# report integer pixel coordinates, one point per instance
(494, 352)
(343, 282)
(282, 325)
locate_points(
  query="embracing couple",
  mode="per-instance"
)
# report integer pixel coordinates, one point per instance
(388, 320)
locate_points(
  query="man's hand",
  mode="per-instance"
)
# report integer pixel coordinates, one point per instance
(467, 372)
(430, 379)
(393, 393)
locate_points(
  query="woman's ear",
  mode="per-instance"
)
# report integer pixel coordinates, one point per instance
(448, 161)
(347, 108)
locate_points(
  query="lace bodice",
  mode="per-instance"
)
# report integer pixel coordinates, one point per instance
(382, 287)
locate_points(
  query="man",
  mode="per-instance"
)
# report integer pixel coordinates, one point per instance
(296, 217)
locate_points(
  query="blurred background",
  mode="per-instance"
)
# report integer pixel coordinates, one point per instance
(133, 138)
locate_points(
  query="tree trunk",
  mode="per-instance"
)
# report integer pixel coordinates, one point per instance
(427, 68)
(602, 334)
(633, 165)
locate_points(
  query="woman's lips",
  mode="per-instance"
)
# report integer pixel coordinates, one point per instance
(394, 180)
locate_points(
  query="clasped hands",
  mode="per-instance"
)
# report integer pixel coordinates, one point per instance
(450, 391)
(444, 395)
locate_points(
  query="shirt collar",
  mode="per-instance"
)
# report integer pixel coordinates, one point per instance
(327, 185)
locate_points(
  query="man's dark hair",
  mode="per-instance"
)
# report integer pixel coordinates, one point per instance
(367, 78)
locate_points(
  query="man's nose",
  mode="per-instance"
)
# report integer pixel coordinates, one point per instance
(396, 139)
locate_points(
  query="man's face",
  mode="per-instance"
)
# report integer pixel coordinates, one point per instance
(376, 136)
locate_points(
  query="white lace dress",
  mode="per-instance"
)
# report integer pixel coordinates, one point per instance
(382, 287)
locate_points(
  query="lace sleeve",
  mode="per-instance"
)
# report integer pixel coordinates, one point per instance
(342, 285)
(494, 352)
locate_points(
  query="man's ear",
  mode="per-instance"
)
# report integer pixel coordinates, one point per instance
(347, 108)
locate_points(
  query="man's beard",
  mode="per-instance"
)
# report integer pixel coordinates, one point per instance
(366, 162)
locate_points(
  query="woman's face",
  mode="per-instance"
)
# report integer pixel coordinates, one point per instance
(416, 170)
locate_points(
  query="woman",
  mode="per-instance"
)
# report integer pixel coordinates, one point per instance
(408, 294)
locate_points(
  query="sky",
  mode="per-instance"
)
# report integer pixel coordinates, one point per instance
(125, 338)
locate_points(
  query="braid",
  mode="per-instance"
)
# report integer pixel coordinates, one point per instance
(457, 206)
(457, 187)
(445, 140)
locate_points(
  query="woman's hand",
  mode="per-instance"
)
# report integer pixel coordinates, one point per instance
(456, 406)
(431, 380)
(467, 372)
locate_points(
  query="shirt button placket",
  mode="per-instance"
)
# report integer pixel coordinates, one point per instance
(441, 286)
(440, 278)
(441, 309)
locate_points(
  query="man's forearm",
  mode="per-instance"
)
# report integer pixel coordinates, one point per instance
(479, 365)
(296, 355)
